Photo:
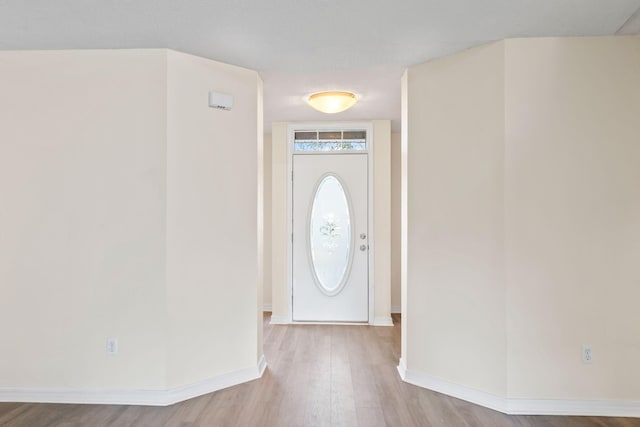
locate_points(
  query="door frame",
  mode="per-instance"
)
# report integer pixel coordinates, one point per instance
(291, 128)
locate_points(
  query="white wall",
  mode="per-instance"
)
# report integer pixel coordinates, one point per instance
(523, 225)
(455, 309)
(128, 210)
(212, 231)
(82, 218)
(573, 216)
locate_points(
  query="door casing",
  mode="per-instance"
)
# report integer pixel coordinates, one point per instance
(291, 128)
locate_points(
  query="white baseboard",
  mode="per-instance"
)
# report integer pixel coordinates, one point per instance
(516, 406)
(266, 307)
(594, 408)
(395, 309)
(132, 397)
(402, 369)
(219, 382)
(262, 366)
(279, 320)
(461, 392)
(382, 321)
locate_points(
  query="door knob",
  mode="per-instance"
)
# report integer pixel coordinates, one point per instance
(363, 236)
(363, 247)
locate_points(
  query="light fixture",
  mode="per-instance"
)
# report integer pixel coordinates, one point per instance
(332, 102)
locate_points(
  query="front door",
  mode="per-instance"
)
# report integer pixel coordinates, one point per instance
(330, 238)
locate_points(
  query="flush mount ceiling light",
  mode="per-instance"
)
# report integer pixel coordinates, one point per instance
(332, 102)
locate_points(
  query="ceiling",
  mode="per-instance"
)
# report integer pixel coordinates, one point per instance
(304, 46)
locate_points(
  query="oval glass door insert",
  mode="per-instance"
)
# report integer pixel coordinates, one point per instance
(330, 243)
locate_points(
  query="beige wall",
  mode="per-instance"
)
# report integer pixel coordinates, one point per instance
(279, 224)
(404, 215)
(572, 194)
(261, 223)
(128, 211)
(395, 222)
(267, 221)
(523, 219)
(382, 221)
(82, 218)
(455, 310)
(212, 231)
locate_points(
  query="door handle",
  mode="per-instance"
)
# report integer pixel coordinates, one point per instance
(363, 236)
(363, 248)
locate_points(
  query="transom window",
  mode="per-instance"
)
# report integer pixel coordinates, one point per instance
(330, 140)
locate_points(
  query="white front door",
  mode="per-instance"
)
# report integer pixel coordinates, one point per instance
(330, 238)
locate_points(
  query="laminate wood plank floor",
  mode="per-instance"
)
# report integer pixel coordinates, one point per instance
(317, 375)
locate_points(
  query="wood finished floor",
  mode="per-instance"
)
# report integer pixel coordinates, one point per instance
(317, 376)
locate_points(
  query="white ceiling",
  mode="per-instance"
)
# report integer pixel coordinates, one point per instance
(303, 46)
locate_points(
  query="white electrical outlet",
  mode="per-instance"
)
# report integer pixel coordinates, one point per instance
(112, 345)
(587, 354)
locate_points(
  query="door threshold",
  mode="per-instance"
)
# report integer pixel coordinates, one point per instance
(311, 322)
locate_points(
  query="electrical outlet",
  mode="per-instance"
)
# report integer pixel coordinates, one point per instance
(587, 354)
(112, 345)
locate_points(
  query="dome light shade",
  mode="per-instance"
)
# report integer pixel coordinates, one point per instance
(332, 102)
